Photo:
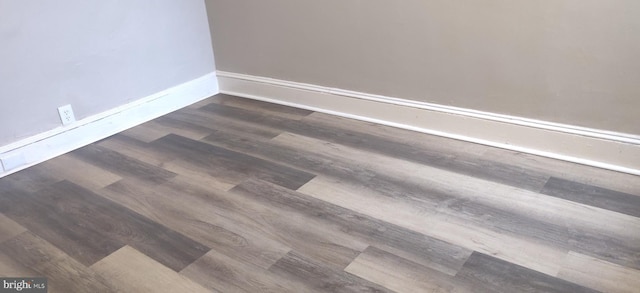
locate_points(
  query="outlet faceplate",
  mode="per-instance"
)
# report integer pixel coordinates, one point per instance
(66, 114)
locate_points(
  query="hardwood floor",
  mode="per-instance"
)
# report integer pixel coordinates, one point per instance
(235, 195)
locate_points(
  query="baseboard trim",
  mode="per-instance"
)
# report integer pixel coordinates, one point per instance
(598, 148)
(50, 144)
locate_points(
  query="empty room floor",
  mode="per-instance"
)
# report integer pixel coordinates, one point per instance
(234, 195)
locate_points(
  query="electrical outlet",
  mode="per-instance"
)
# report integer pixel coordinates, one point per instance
(66, 114)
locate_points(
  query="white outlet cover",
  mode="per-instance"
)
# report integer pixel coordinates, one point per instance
(66, 114)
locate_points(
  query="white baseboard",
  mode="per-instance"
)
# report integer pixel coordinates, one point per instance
(598, 148)
(33, 150)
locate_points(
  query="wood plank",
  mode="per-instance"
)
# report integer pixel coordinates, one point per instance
(484, 273)
(354, 134)
(79, 172)
(205, 176)
(29, 180)
(9, 228)
(398, 274)
(619, 181)
(64, 273)
(428, 251)
(128, 270)
(316, 277)
(206, 155)
(10, 268)
(523, 213)
(121, 164)
(205, 119)
(599, 274)
(57, 225)
(241, 215)
(197, 214)
(138, 149)
(146, 132)
(497, 207)
(89, 227)
(407, 214)
(260, 106)
(154, 129)
(219, 272)
(594, 196)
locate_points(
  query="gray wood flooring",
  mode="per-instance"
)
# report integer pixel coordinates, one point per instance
(235, 195)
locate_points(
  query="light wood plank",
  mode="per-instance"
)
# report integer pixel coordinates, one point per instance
(434, 253)
(79, 172)
(128, 270)
(398, 274)
(543, 258)
(599, 274)
(9, 228)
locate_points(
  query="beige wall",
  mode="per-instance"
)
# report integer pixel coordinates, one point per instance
(568, 61)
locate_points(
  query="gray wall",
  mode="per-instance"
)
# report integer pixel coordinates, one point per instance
(568, 61)
(94, 55)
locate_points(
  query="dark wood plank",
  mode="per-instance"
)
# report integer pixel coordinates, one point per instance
(206, 155)
(134, 148)
(30, 180)
(121, 164)
(89, 227)
(469, 165)
(485, 273)
(319, 278)
(64, 273)
(594, 196)
(57, 225)
(428, 251)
